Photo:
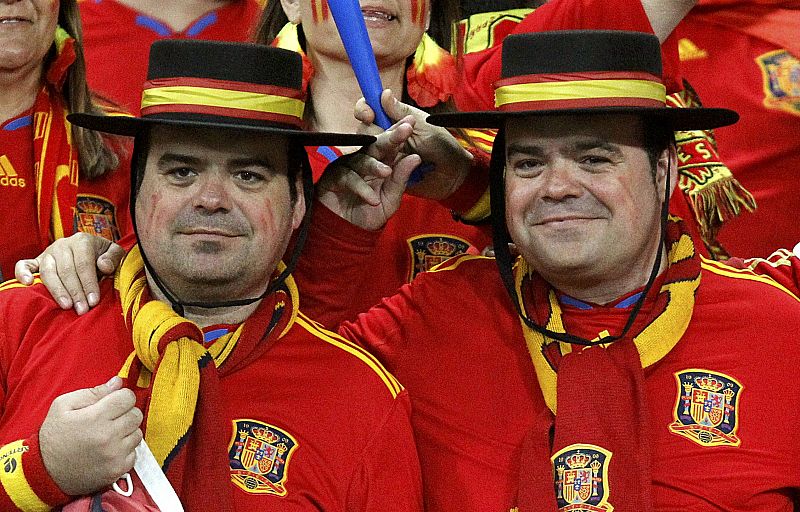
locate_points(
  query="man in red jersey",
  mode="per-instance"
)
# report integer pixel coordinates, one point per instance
(609, 366)
(243, 402)
(117, 35)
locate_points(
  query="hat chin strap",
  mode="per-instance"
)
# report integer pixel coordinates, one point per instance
(298, 154)
(501, 239)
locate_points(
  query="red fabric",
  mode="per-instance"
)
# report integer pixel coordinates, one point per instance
(454, 340)
(17, 196)
(113, 501)
(421, 234)
(117, 39)
(727, 68)
(355, 449)
(98, 206)
(479, 70)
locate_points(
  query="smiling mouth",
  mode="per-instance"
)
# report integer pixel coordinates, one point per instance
(7, 20)
(375, 15)
(210, 233)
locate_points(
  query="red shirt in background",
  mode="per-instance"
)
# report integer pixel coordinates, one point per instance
(746, 56)
(117, 39)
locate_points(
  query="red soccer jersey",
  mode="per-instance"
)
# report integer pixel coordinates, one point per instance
(117, 39)
(19, 228)
(421, 234)
(330, 419)
(761, 81)
(455, 341)
(101, 205)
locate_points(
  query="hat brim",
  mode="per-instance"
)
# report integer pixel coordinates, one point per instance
(130, 126)
(678, 118)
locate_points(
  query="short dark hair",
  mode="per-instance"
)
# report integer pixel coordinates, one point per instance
(657, 138)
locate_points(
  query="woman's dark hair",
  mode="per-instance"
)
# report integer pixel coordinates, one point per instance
(95, 155)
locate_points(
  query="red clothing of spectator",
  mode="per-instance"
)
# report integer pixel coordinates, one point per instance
(101, 206)
(421, 234)
(745, 55)
(454, 339)
(343, 419)
(117, 39)
(480, 69)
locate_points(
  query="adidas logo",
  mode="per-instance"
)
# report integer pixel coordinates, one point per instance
(687, 50)
(8, 176)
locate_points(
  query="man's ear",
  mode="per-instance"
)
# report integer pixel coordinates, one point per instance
(668, 159)
(300, 203)
(292, 10)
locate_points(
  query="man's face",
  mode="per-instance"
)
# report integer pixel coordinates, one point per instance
(214, 213)
(27, 28)
(395, 27)
(583, 206)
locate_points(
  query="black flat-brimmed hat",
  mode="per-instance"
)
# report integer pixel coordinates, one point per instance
(215, 84)
(584, 72)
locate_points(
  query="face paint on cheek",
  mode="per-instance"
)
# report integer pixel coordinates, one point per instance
(419, 12)
(319, 10)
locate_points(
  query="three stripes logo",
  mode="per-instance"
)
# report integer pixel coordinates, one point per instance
(8, 175)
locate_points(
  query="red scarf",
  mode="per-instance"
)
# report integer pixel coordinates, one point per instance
(599, 452)
(56, 160)
(176, 380)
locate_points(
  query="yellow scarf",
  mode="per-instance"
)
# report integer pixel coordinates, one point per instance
(660, 334)
(171, 347)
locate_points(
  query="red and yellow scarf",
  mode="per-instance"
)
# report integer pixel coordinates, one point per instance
(56, 161)
(176, 380)
(596, 395)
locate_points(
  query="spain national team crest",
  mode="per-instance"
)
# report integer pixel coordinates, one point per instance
(259, 456)
(580, 472)
(781, 72)
(707, 408)
(427, 251)
(97, 216)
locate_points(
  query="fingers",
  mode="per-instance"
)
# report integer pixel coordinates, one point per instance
(396, 109)
(110, 260)
(24, 270)
(82, 398)
(388, 144)
(48, 273)
(363, 112)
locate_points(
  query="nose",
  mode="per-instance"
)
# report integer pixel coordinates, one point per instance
(560, 181)
(212, 195)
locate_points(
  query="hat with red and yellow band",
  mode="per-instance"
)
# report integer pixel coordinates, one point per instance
(222, 85)
(584, 72)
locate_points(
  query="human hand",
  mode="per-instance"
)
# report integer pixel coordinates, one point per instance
(435, 145)
(69, 269)
(365, 188)
(89, 437)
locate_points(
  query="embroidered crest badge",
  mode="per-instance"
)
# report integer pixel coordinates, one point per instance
(259, 456)
(707, 408)
(580, 473)
(427, 251)
(97, 216)
(781, 72)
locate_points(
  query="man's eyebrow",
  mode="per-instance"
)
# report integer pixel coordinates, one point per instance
(249, 162)
(170, 158)
(525, 149)
(585, 145)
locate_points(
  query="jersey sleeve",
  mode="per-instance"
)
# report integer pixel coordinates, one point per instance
(783, 266)
(388, 476)
(479, 70)
(25, 483)
(330, 268)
